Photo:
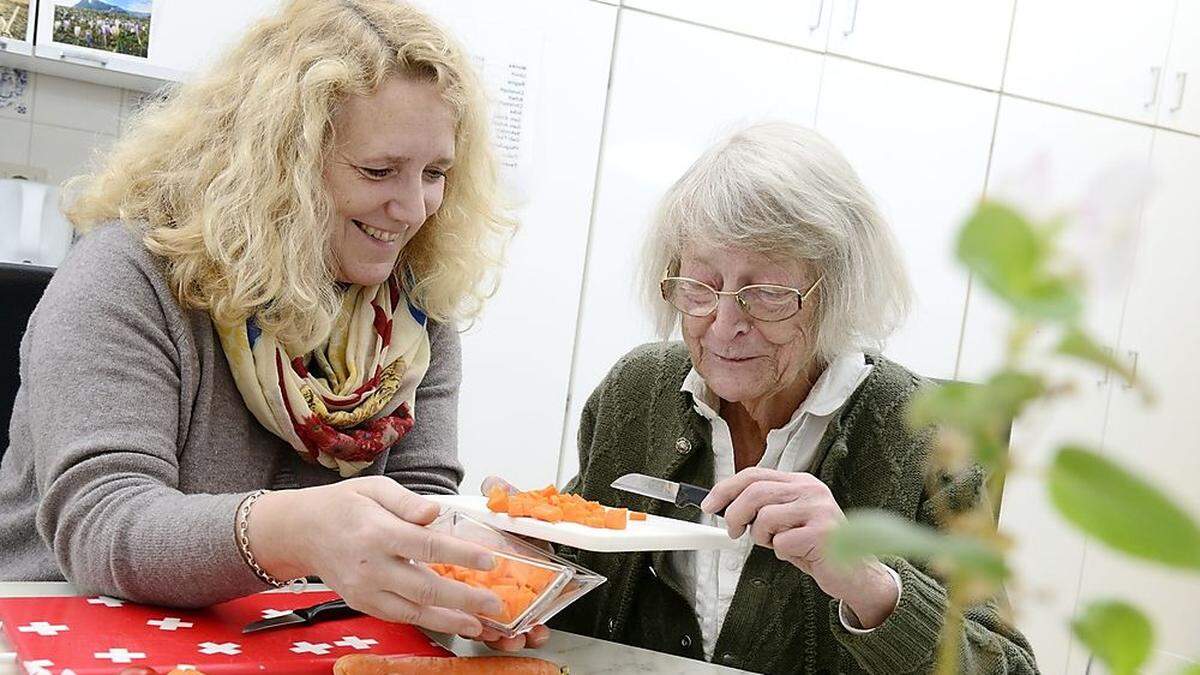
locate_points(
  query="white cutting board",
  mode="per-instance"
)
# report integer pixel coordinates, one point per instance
(653, 534)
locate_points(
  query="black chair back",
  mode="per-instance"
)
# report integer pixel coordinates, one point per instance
(21, 287)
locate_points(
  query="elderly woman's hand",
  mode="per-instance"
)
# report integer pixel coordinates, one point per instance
(359, 536)
(793, 513)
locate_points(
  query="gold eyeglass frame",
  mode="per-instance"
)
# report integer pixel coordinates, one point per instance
(737, 295)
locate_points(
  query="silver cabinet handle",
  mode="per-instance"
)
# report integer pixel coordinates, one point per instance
(1180, 86)
(1133, 368)
(85, 58)
(1155, 77)
(816, 22)
(853, 19)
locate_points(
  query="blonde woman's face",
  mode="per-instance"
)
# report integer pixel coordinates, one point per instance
(743, 360)
(387, 175)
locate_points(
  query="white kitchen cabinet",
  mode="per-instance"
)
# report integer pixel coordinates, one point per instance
(17, 27)
(960, 41)
(1054, 161)
(804, 23)
(1102, 56)
(183, 38)
(663, 112)
(1160, 440)
(921, 148)
(1180, 107)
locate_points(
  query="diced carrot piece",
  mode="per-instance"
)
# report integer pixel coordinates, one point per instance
(615, 519)
(637, 515)
(498, 500)
(594, 521)
(547, 512)
(548, 490)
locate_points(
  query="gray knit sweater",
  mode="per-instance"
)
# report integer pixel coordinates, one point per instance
(131, 447)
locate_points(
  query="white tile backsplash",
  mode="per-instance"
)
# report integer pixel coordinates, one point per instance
(16, 93)
(77, 105)
(65, 153)
(14, 141)
(57, 124)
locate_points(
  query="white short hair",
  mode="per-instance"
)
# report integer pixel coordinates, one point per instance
(784, 190)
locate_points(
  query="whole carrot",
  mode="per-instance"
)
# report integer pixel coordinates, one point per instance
(366, 664)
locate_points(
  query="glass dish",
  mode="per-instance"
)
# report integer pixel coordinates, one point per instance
(534, 583)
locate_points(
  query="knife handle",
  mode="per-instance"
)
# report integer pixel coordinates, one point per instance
(334, 609)
(692, 495)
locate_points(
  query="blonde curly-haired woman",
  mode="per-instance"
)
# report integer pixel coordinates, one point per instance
(255, 336)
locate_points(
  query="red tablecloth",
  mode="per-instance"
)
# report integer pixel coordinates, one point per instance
(86, 636)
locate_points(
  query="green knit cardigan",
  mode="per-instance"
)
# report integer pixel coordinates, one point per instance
(780, 621)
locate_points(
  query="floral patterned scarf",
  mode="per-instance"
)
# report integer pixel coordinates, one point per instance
(350, 399)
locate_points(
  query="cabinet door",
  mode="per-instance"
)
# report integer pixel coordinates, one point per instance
(959, 41)
(180, 37)
(1180, 108)
(1160, 440)
(804, 23)
(1050, 160)
(921, 147)
(546, 66)
(1105, 57)
(663, 112)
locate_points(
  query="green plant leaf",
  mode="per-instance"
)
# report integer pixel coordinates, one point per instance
(1122, 510)
(984, 412)
(1009, 256)
(1077, 344)
(1117, 633)
(869, 533)
(1000, 246)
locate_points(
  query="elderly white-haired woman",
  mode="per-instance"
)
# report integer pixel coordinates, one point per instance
(785, 281)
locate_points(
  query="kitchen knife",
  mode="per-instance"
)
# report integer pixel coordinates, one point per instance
(333, 609)
(679, 494)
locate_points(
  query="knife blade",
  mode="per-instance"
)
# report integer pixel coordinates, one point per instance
(326, 611)
(679, 494)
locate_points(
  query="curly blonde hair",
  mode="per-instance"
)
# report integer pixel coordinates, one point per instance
(225, 174)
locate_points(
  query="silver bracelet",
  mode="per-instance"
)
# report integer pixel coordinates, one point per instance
(242, 530)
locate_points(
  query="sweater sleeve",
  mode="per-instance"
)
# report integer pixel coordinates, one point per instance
(102, 371)
(426, 459)
(906, 642)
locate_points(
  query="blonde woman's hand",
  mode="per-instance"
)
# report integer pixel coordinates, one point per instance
(359, 535)
(793, 514)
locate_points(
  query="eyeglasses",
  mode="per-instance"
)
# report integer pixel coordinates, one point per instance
(765, 302)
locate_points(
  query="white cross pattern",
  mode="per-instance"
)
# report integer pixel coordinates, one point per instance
(119, 655)
(169, 623)
(185, 666)
(42, 628)
(272, 613)
(230, 648)
(356, 642)
(106, 601)
(38, 667)
(320, 648)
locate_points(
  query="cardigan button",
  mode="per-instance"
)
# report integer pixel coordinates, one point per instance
(612, 626)
(683, 446)
(728, 658)
(758, 583)
(686, 641)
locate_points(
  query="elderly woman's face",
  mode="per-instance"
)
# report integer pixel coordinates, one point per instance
(387, 174)
(743, 360)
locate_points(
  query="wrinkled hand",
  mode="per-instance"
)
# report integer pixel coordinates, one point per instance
(359, 535)
(793, 514)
